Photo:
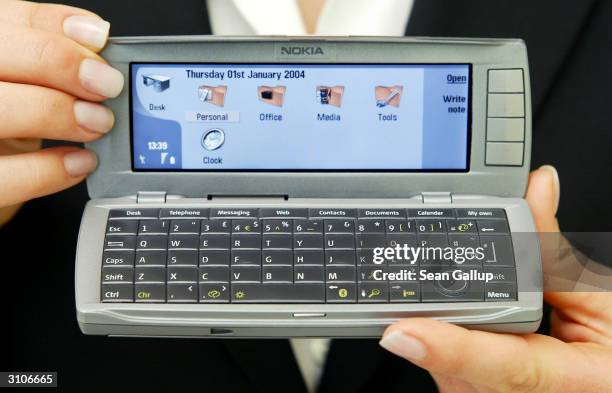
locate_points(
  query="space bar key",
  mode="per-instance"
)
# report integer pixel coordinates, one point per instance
(278, 293)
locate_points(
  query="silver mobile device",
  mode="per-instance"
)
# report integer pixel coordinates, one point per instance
(267, 187)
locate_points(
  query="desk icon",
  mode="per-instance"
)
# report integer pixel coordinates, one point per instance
(159, 82)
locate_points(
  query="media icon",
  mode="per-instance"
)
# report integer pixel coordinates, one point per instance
(212, 94)
(159, 82)
(330, 95)
(273, 95)
(388, 96)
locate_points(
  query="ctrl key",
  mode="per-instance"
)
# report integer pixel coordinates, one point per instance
(150, 293)
(117, 293)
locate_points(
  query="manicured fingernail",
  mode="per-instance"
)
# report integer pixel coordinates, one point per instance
(80, 163)
(403, 345)
(100, 78)
(93, 117)
(557, 184)
(87, 30)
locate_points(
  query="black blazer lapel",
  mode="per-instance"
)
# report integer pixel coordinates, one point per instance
(550, 36)
(269, 365)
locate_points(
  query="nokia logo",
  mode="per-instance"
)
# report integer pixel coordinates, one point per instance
(302, 50)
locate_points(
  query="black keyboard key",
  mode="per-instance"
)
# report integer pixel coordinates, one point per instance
(432, 241)
(150, 293)
(365, 256)
(373, 292)
(283, 213)
(119, 214)
(500, 292)
(120, 242)
(185, 226)
(182, 293)
(148, 258)
(122, 227)
(214, 257)
(404, 292)
(246, 274)
(277, 241)
(371, 226)
(156, 274)
(400, 226)
(183, 257)
(501, 274)
(182, 274)
(215, 241)
(307, 241)
(481, 213)
(278, 293)
(399, 239)
(340, 257)
(341, 293)
(183, 242)
(215, 226)
(308, 257)
(214, 293)
(497, 250)
(183, 213)
(113, 274)
(431, 226)
(309, 274)
(403, 273)
(465, 250)
(371, 240)
(274, 274)
(461, 226)
(340, 273)
(246, 226)
(246, 241)
(117, 293)
(308, 226)
(118, 258)
(339, 241)
(214, 274)
(372, 273)
(277, 257)
(152, 242)
(246, 257)
(488, 227)
(339, 226)
(277, 226)
(153, 227)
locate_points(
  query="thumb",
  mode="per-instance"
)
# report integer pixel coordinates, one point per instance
(543, 193)
(498, 361)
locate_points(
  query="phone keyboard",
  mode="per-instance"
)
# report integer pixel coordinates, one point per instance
(232, 255)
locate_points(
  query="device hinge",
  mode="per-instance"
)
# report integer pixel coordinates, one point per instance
(151, 197)
(430, 198)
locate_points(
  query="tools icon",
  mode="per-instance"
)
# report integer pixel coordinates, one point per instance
(273, 95)
(212, 94)
(330, 95)
(388, 95)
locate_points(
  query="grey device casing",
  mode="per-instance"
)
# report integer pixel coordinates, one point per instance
(490, 183)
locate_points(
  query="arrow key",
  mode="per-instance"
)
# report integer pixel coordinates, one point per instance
(488, 227)
(182, 293)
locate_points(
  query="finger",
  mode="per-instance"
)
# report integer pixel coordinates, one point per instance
(31, 175)
(82, 26)
(500, 362)
(47, 59)
(543, 193)
(28, 111)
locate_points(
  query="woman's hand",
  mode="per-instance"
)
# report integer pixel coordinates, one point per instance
(578, 358)
(51, 83)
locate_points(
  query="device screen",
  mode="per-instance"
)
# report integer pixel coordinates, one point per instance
(300, 117)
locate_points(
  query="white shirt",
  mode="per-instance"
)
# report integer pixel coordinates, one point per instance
(283, 17)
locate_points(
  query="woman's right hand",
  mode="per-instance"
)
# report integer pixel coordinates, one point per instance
(51, 83)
